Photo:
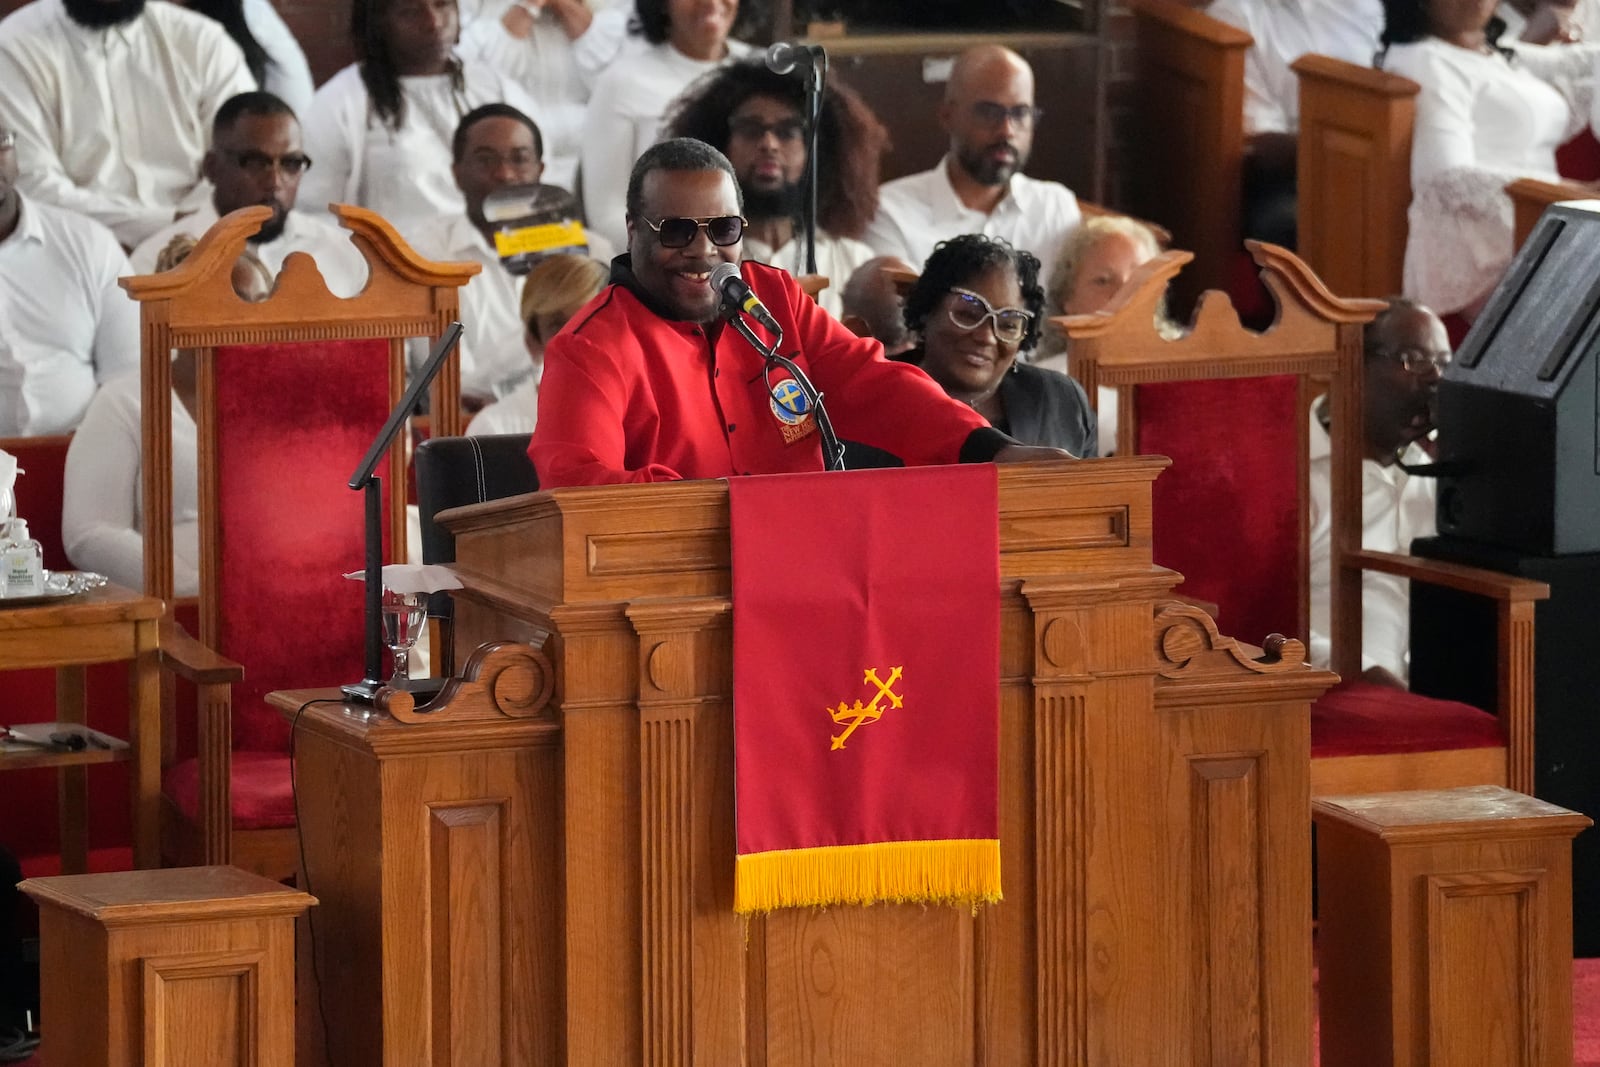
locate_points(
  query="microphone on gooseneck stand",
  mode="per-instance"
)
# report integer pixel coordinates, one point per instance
(739, 300)
(784, 56)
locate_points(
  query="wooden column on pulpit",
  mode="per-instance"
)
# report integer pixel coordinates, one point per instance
(541, 870)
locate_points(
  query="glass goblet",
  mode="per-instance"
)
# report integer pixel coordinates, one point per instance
(404, 615)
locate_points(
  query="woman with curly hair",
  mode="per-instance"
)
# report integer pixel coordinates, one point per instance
(977, 305)
(686, 39)
(380, 129)
(1489, 112)
(754, 117)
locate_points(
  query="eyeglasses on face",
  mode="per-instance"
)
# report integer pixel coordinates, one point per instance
(969, 311)
(1419, 360)
(992, 114)
(722, 230)
(259, 164)
(753, 129)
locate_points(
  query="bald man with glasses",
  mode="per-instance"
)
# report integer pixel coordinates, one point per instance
(647, 384)
(256, 158)
(979, 187)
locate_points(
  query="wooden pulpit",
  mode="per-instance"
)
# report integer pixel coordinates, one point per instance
(538, 869)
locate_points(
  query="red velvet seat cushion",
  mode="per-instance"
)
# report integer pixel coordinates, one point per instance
(1362, 719)
(263, 798)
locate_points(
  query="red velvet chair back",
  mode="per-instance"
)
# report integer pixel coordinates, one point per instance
(1234, 440)
(292, 423)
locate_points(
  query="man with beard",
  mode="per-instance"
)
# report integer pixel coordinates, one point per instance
(65, 324)
(634, 389)
(255, 158)
(753, 116)
(111, 103)
(1406, 351)
(979, 186)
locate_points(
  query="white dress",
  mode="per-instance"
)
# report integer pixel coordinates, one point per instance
(102, 524)
(403, 175)
(624, 118)
(1482, 122)
(288, 75)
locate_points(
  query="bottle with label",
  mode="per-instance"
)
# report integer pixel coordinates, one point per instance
(21, 563)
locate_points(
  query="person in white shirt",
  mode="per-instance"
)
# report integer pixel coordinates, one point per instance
(102, 519)
(65, 324)
(496, 146)
(753, 116)
(111, 105)
(687, 38)
(255, 158)
(1549, 21)
(274, 57)
(554, 291)
(554, 49)
(979, 186)
(1406, 350)
(1489, 112)
(380, 129)
(1285, 30)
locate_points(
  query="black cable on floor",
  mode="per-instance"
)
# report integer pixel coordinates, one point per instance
(305, 871)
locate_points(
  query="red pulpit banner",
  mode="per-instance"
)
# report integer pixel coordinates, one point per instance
(866, 654)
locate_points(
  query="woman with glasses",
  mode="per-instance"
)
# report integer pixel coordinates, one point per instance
(687, 38)
(977, 306)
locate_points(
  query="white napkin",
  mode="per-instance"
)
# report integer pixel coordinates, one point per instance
(414, 577)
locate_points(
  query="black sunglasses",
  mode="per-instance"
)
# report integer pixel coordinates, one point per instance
(259, 164)
(723, 230)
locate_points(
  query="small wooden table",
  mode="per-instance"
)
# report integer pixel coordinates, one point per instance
(102, 625)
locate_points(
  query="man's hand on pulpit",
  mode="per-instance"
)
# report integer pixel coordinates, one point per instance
(1030, 454)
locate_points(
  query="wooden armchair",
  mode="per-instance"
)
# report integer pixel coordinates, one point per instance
(1355, 176)
(1190, 128)
(292, 390)
(1226, 396)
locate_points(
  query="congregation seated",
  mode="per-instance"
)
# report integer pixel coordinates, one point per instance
(754, 117)
(631, 99)
(871, 305)
(495, 146)
(255, 158)
(978, 187)
(1283, 31)
(275, 58)
(381, 129)
(55, 350)
(1489, 111)
(555, 51)
(101, 514)
(111, 106)
(553, 292)
(977, 305)
(1406, 350)
(1094, 263)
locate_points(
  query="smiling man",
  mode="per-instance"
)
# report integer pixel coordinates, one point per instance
(979, 186)
(255, 158)
(645, 384)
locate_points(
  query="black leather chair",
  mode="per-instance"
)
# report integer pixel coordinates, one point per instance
(451, 473)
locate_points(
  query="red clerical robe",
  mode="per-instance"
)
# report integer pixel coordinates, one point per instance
(630, 396)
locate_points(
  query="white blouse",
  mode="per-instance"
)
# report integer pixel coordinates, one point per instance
(1482, 121)
(403, 175)
(288, 75)
(101, 511)
(624, 118)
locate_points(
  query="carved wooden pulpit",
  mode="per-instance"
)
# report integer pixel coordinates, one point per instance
(538, 869)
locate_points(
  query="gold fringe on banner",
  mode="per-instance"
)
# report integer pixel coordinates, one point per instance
(891, 872)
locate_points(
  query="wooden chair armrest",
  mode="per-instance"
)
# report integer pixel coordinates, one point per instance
(1192, 23)
(1474, 580)
(194, 662)
(1530, 196)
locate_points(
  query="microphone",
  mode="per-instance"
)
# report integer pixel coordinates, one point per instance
(784, 56)
(737, 296)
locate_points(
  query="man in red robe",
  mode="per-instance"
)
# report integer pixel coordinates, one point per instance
(647, 384)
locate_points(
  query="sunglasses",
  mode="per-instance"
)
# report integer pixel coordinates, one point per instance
(753, 129)
(969, 311)
(721, 230)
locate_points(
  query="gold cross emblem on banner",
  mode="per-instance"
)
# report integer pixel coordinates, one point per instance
(855, 715)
